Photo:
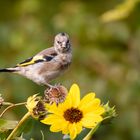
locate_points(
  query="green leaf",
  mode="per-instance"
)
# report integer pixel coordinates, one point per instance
(3, 136)
(6, 125)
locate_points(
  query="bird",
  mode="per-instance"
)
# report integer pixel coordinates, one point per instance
(48, 64)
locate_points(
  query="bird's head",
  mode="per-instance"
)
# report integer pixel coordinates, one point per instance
(62, 43)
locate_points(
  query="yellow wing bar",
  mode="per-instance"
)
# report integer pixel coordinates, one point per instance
(31, 61)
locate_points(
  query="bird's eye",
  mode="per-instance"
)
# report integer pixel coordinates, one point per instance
(58, 42)
(68, 41)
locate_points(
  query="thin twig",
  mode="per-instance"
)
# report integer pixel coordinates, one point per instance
(11, 106)
(7, 103)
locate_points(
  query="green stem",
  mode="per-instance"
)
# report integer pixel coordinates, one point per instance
(91, 132)
(13, 133)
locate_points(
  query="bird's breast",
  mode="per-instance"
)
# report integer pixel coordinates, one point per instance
(65, 61)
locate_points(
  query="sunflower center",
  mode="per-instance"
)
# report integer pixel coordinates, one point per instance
(73, 115)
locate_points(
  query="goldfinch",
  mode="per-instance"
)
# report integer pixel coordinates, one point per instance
(47, 64)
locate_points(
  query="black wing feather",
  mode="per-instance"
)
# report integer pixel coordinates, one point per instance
(27, 60)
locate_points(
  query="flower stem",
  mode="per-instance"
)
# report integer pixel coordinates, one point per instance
(91, 132)
(11, 105)
(13, 133)
(7, 103)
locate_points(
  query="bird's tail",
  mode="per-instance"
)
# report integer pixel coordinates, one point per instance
(8, 70)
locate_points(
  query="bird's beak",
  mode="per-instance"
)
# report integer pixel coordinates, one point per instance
(63, 44)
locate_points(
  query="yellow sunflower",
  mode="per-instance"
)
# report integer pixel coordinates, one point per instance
(72, 115)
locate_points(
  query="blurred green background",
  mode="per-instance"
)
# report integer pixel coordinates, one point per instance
(106, 56)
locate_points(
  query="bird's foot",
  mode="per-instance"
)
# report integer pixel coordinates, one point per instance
(53, 86)
(49, 85)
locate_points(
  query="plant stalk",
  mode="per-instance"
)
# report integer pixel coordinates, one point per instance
(91, 132)
(13, 133)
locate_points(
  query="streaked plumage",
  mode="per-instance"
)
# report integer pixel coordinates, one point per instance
(47, 64)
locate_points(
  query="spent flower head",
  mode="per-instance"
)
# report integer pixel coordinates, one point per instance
(74, 114)
(35, 106)
(56, 94)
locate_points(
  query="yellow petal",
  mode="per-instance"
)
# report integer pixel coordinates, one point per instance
(57, 127)
(66, 129)
(87, 99)
(79, 127)
(52, 119)
(100, 110)
(55, 109)
(92, 106)
(32, 102)
(90, 120)
(89, 105)
(68, 102)
(57, 123)
(47, 106)
(72, 130)
(65, 105)
(96, 111)
(74, 95)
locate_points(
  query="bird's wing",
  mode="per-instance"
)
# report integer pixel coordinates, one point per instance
(45, 56)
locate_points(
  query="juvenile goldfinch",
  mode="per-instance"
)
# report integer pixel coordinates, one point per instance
(47, 64)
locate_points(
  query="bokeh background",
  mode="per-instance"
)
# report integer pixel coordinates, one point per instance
(105, 36)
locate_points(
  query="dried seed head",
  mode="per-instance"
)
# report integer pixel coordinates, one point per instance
(56, 94)
(39, 111)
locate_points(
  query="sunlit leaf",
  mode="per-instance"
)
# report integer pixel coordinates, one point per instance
(6, 125)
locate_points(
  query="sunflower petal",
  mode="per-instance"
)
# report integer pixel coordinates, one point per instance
(90, 120)
(79, 127)
(86, 99)
(89, 103)
(57, 127)
(74, 95)
(72, 130)
(58, 124)
(65, 129)
(55, 109)
(100, 110)
(52, 119)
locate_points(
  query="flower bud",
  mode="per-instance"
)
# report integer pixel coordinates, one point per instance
(109, 114)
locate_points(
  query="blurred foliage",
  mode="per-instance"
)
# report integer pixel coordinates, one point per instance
(121, 11)
(106, 56)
